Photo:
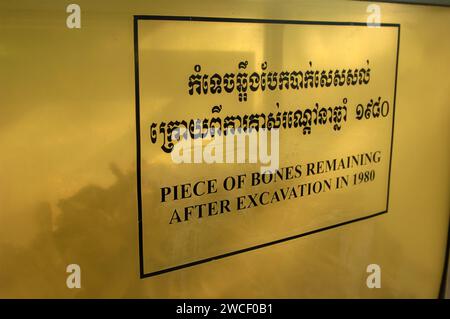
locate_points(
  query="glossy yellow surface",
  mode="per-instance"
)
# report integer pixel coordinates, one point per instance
(175, 231)
(68, 162)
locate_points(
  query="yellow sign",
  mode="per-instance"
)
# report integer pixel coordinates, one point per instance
(255, 132)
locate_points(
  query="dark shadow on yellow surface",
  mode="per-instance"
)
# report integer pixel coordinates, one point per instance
(94, 231)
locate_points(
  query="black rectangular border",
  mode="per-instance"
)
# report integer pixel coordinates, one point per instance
(136, 18)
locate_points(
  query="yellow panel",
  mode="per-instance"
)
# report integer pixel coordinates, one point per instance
(68, 191)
